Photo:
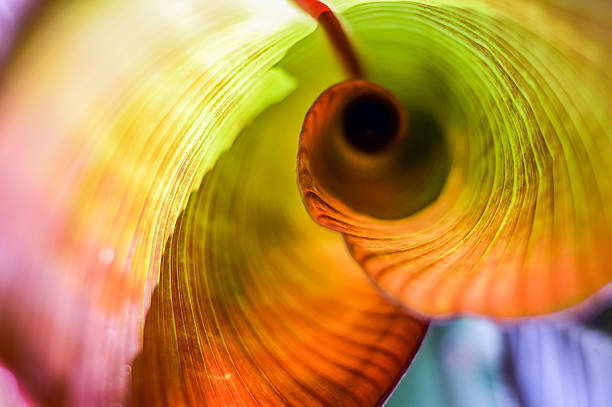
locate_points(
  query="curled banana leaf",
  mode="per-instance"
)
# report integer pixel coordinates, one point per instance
(148, 152)
(497, 200)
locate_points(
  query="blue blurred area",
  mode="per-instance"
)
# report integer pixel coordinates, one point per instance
(538, 363)
(558, 364)
(459, 364)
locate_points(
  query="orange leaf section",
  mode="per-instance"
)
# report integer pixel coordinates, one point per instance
(257, 305)
(443, 258)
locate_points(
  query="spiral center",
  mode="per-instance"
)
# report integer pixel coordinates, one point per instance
(370, 123)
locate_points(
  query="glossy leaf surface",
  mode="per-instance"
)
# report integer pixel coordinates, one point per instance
(522, 223)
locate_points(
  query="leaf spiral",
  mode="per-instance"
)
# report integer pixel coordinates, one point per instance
(522, 93)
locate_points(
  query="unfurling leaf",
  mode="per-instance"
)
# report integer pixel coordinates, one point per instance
(499, 200)
(148, 178)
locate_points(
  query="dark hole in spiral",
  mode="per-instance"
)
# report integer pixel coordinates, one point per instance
(370, 123)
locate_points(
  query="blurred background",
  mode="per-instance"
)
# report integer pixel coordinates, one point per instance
(541, 362)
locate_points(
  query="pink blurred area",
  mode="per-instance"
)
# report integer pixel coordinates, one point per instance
(13, 13)
(11, 393)
(13, 17)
